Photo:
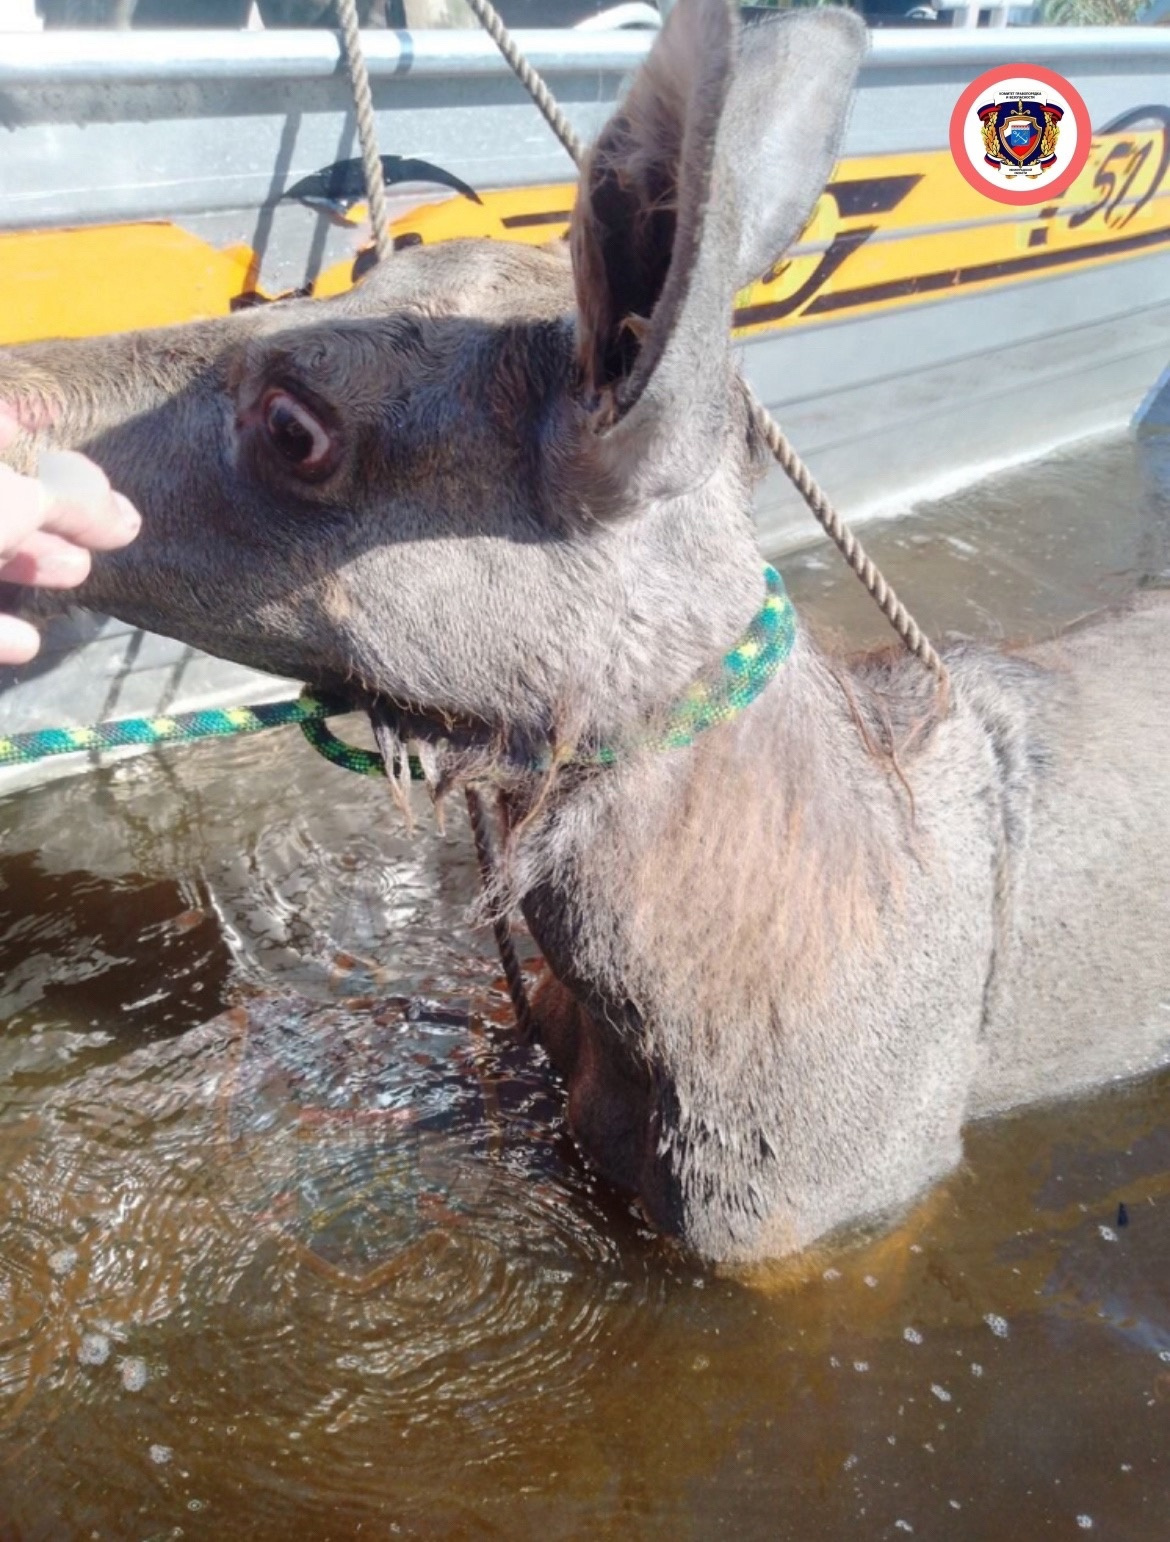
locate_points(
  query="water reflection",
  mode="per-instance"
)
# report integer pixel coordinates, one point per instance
(293, 1244)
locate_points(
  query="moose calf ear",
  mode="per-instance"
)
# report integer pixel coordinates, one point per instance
(639, 213)
(701, 179)
(783, 124)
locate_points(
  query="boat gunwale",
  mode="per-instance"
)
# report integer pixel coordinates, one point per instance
(66, 58)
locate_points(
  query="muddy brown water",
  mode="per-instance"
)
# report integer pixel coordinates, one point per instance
(303, 1266)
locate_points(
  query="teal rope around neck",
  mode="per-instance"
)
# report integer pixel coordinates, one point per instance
(742, 675)
(179, 728)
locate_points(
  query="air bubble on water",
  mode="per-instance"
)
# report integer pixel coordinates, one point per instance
(976, 1368)
(1127, 1466)
(997, 1324)
(62, 1261)
(161, 1455)
(700, 1363)
(914, 1248)
(94, 1349)
(954, 1504)
(903, 1526)
(1085, 1522)
(834, 1362)
(134, 1373)
(831, 1274)
(912, 1335)
(861, 1365)
(849, 1462)
(940, 1392)
(194, 1504)
(1164, 1354)
(1107, 1234)
(871, 1281)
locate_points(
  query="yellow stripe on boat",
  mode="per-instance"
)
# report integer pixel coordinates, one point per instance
(890, 231)
(113, 278)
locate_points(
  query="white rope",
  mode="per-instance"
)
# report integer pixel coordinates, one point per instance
(363, 111)
(493, 24)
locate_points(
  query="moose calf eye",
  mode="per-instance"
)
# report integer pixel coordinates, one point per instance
(294, 433)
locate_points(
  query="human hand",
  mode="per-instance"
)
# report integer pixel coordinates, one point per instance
(49, 524)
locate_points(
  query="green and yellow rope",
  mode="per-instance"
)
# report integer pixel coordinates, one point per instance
(742, 675)
(308, 713)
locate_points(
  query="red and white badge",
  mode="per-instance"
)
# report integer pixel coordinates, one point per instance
(1020, 134)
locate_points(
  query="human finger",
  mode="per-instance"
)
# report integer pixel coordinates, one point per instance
(18, 640)
(82, 507)
(22, 503)
(47, 561)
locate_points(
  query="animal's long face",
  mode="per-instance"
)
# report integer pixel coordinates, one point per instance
(460, 485)
(342, 491)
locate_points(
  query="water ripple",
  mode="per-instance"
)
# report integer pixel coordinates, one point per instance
(329, 1217)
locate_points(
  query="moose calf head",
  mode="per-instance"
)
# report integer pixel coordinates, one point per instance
(467, 486)
(503, 495)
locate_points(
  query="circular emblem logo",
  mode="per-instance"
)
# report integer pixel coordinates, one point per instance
(1020, 134)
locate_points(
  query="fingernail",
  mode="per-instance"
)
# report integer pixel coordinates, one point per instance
(73, 478)
(131, 519)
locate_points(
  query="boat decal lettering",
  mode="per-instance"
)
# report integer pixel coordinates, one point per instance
(871, 195)
(1117, 186)
(525, 221)
(955, 278)
(843, 246)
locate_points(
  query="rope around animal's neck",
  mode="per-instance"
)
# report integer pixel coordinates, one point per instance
(794, 468)
(745, 670)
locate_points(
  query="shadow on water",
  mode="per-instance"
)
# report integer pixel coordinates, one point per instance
(293, 1243)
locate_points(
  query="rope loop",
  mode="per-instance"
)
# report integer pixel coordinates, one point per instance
(335, 750)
